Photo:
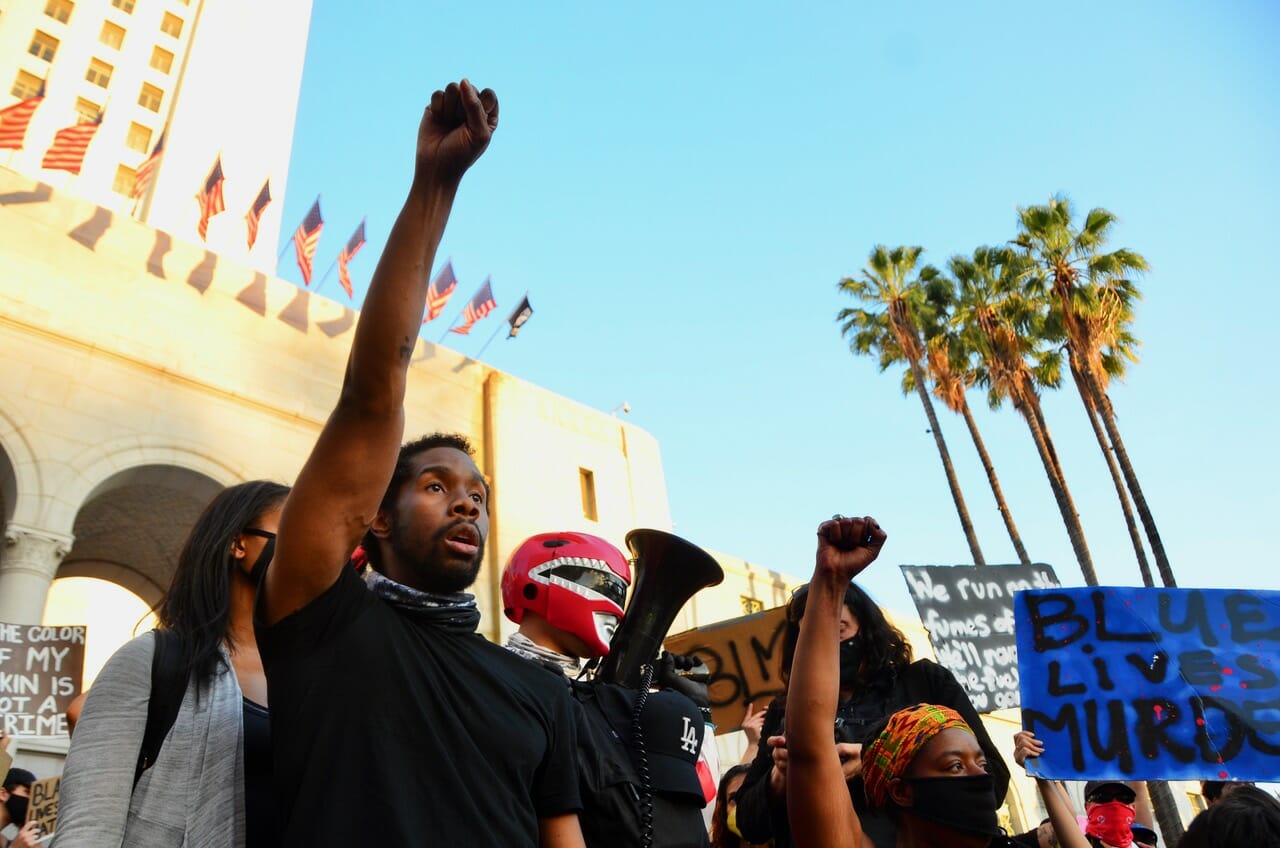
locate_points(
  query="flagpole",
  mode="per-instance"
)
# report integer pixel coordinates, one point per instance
(332, 265)
(450, 327)
(489, 342)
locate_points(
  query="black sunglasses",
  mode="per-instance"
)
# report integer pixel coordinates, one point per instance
(1112, 793)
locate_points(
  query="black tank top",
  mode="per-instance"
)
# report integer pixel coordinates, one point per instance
(261, 822)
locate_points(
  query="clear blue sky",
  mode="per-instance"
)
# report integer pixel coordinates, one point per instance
(681, 186)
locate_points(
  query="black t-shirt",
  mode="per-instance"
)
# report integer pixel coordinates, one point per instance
(391, 730)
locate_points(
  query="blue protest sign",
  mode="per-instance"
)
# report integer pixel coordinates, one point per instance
(1175, 684)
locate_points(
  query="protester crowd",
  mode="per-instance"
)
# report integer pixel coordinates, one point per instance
(317, 679)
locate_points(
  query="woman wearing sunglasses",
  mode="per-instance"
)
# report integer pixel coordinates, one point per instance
(210, 782)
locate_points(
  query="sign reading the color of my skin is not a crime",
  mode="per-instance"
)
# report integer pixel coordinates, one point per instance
(744, 656)
(968, 611)
(1176, 684)
(40, 672)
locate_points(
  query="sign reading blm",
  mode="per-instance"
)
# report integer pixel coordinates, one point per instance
(968, 611)
(40, 671)
(1176, 684)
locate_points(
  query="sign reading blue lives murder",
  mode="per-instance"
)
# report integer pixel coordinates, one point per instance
(1176, 684)
(968, 611)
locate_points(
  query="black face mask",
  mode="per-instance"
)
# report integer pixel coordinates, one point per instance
(851, 653)
(17, 808)
(967, 804)
(264, 559)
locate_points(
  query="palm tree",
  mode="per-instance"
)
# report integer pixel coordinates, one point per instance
(1092, 294)
(894, 295)
(949, 363)
(1004, 327)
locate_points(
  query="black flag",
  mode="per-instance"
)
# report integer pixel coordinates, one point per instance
(523, 313)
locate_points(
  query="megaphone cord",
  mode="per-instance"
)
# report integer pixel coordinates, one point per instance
(642, 759)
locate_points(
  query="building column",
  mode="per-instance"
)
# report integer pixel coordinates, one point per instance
(28, 563)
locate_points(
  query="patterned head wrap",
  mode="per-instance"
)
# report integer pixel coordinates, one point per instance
(891, 752)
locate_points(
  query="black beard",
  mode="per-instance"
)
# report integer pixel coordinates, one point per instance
(433, 573)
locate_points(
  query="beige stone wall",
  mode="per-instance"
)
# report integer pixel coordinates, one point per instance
(125, 347)
(232, 89)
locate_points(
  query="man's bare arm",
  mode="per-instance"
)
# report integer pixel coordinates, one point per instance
(337, 493)
(560, 832)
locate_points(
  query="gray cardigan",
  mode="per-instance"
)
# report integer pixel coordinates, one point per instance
(192, 797)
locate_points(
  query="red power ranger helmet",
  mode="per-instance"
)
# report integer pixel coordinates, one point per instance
(576, 581)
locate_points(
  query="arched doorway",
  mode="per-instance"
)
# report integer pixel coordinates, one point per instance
(128, 533)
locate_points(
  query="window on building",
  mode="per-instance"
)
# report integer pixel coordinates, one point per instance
(59, 10)
(150, 97)
(112, 35)
(99, 73)
(171, 24)
(125, 178)
(139, 138)
(25, 85)
(87, 109)
(125, 6)
(587, 483)
(161, 59)
(43, 46)
(751, 605)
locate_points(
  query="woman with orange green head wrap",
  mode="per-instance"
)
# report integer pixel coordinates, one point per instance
(924, 766)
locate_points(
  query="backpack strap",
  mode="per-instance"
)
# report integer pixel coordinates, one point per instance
(168, 687)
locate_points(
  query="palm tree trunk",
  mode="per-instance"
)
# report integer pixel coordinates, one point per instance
(1108, 416)
(995, 485)
(1166, 811)
(1026, 402)
(1091, 410)
(1162, 802)
(918, 374)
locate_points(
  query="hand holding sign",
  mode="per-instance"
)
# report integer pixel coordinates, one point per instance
(1026, 746)
(846, 546)
(28, 837)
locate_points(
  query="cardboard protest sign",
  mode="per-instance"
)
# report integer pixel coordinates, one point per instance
(40, 673)
(968, 611)
(745, 658)
(1139, 684)
(43, 806)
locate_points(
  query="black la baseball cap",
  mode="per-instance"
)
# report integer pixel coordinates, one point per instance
(673, 728)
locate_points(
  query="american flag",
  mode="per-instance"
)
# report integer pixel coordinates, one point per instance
(480, 305)
(14, 120)
(147, 170)
(69, 146)
(255, 212)
(353, 247)
(306, 239)
(210, 199)
(439, 290)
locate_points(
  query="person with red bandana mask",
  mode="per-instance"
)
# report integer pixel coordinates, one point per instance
(567, 593)
(1111, 807)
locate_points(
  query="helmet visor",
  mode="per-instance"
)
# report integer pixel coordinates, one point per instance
(604, 583)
